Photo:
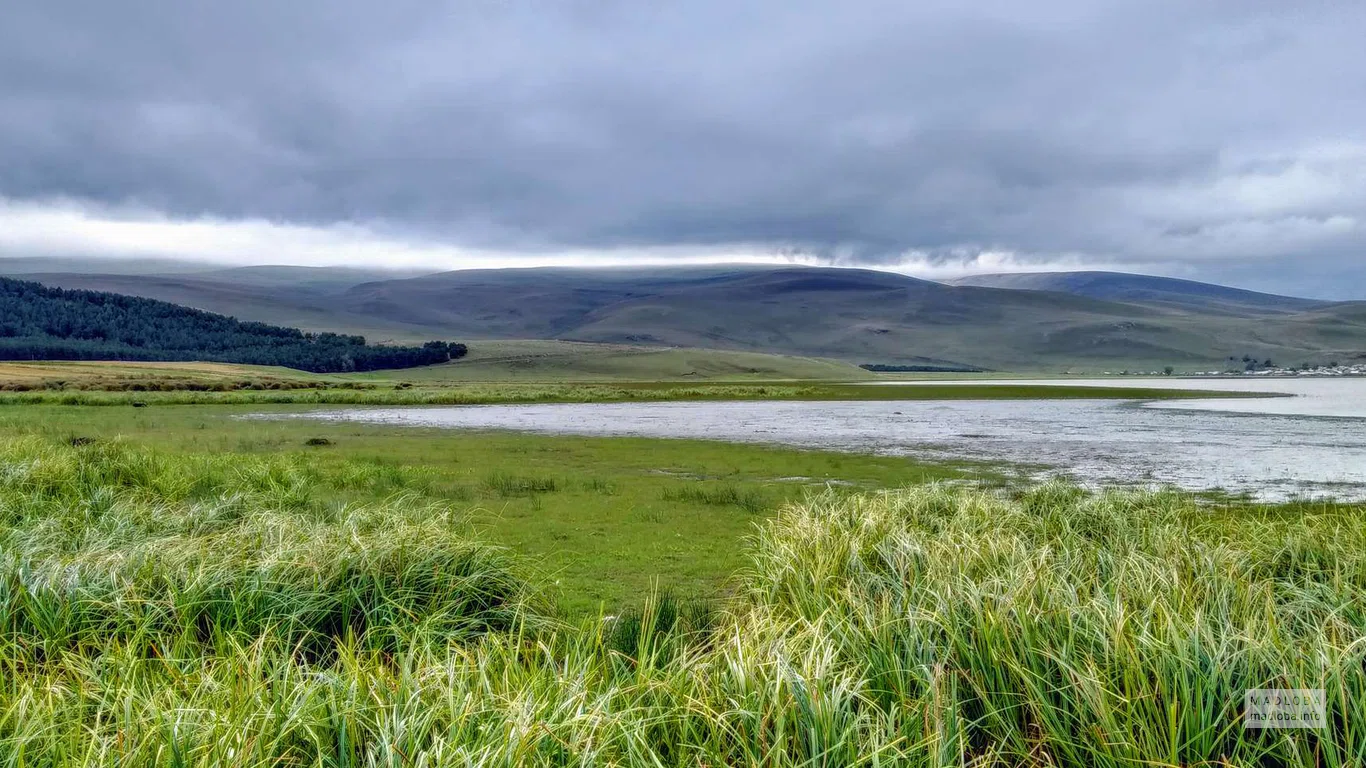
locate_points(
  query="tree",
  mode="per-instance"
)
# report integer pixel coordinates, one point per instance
(42, 323)
(1168, 371)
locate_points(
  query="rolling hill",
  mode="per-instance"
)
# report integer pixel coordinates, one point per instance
(856, 315)
(307, 304)
(1079, 321)
(1149, 290)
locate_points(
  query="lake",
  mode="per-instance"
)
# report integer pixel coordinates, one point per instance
(1309, 444)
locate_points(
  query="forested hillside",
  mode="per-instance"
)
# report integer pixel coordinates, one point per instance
(42, 323)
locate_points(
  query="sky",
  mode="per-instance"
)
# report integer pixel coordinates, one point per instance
(1222, 140)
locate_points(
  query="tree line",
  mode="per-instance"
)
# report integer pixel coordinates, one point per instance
(38, 322)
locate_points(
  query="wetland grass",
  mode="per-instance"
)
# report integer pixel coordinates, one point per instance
(748, 499)
(365, 392)
(171, 609)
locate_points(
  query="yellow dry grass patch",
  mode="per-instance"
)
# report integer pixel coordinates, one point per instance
(86, 374)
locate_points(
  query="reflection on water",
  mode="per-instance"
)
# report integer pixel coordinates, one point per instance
(1273, 448)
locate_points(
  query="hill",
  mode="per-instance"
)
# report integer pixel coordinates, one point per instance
(857, 315)
(302, 304)
(298, 297)
(1085, 322)
(43, 323)
(1147, 289)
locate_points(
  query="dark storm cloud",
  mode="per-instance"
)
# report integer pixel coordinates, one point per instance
(1186, 136)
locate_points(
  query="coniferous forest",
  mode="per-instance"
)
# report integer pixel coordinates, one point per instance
(42, 323)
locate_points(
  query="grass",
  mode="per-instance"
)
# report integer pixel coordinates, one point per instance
(180, 586)
(605, 517)
(518, 372)
(141, 377)
(531, 361)
(487, 361)
(355, 391)
(511, 486)
(724, 496)
(165, 607)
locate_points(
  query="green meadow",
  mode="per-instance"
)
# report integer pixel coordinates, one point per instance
(605, 518)
(183, 586)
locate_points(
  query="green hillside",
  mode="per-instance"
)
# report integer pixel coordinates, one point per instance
(855, 315)
(1085, 322)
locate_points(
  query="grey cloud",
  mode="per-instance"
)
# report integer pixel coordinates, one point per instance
(1163, 132)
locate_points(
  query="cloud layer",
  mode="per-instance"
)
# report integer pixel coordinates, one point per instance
(1223, 139)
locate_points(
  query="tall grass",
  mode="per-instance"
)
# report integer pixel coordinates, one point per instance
(154, 615)
(1061, 627)
(509, 485)
(720, 496)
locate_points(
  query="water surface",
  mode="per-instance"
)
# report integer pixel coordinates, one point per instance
(1311, 444)
(1303, 395)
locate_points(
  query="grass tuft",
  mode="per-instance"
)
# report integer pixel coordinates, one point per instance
(750, 500)
(510, 486)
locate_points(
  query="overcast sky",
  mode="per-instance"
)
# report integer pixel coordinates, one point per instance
(1214, 139)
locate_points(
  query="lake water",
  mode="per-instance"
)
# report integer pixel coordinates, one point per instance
(1312, 443)
(1343, 397)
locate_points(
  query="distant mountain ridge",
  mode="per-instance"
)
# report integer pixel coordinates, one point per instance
(1145, 289)
(1089, 321)
(866, 316)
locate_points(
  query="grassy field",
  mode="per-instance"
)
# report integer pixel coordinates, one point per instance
(135, 376)
(183, 586)
(228, 598)
(211, 383)
(487, 361)
(577, 361)
(605, 517)
(350, 393)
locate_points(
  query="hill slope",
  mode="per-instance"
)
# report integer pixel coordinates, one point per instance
(298, 305)
(1090, 321)
(869, 316)
(851, 314)
(1147, 289)
(42, 323)
(298, 297)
